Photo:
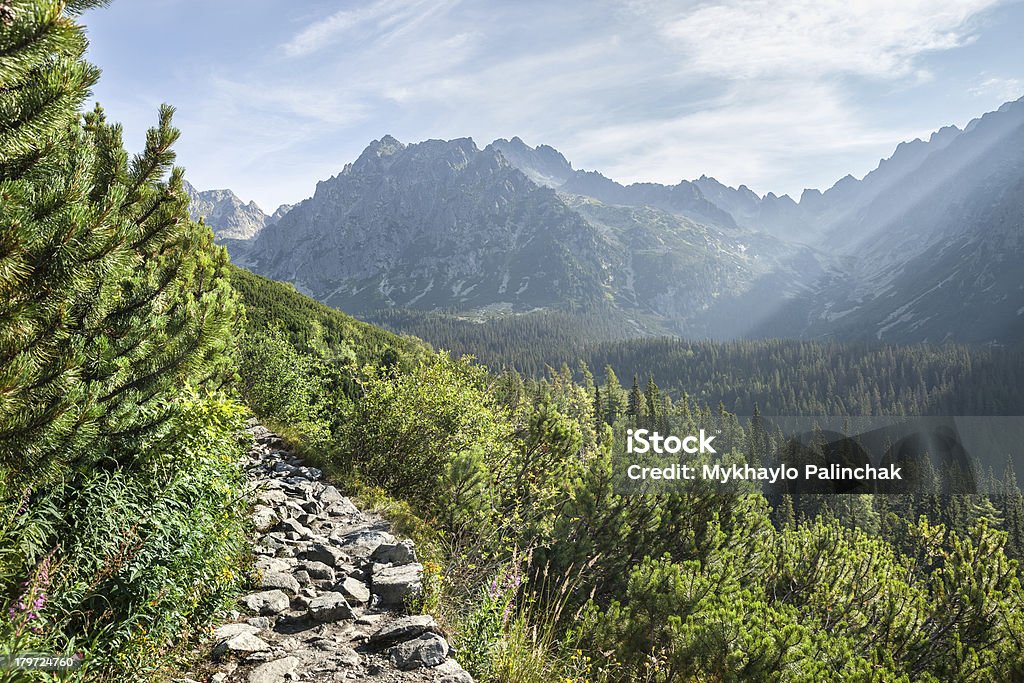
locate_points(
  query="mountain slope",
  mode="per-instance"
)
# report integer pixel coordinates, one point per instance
(432, 225)
(234, 223)
(938, 248)
(446, 226)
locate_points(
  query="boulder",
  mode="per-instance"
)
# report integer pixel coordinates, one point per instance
(267, 603)
(326, 554)
(355, 589)
(275, 671)
(451, 672)
(241, 644)
(332, 495)
(280, 580)
(231, 630)
(394, 553)
(429, 649)
(319, 571)
(346, 656)
(292, 525)
(394, 585)
(264, 518)
(329, 607)
(405, 628)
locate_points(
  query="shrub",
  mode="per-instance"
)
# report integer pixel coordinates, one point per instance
(128, 563)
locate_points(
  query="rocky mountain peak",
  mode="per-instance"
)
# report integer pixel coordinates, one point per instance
(543, 164)
(228, 216)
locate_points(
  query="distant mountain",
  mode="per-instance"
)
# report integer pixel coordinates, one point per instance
(234, 223)
(933, 242)
(927, 247)
(447, 226)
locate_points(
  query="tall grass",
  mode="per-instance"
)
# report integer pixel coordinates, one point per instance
(519, 628)
(121, 566)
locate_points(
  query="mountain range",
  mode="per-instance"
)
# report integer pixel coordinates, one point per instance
(927, 247)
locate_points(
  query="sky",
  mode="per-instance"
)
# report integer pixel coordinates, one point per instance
(780, 95)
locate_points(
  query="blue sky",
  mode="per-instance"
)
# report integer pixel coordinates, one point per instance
(273, 95)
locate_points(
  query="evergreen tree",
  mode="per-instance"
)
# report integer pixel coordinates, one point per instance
(613, 396)
(113, 298)
(633, 408)
(652, 398)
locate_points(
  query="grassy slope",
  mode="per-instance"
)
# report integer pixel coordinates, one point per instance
(269, 303)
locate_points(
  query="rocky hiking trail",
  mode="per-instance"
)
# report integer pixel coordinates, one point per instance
(334, 584)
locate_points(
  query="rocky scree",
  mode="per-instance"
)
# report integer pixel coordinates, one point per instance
(333, 587)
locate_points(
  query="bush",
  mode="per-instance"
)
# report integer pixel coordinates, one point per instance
(432, 436)
(124, 565)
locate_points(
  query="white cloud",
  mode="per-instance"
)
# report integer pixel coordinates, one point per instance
(776, 136)
(776, 94)
(1003, 89)
(809, 38)
(388, 18)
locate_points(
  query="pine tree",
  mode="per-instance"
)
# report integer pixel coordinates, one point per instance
(48, 240)
(633, 408)
(113, 298)
(652, 397)
(613, 398)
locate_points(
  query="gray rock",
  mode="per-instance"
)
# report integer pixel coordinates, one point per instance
(356, 590)
(451, 672)
(329, 607)
(405, 628)
(346, 656)
(311, 473)
(264, 518)
(273, 564)
(313, 507)
(292, 525)
(231, 630)
(344, 508)
(280, 580)
(275, 671)
(329, 555)
(367, 538)
(331, 495)
(319, 571)
(272, 497)
(258, 431)
(394, 553)
(241, 644)
(394, 585)
(429, 649)
(282, 468)
(267, 602)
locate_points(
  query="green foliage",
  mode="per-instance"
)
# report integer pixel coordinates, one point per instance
(819, 603)
(121, 528)
(278, 381)
(702, 583)
(435, 426)
(311, 327)
(134, 562)
(112, 297)
(784, 377)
